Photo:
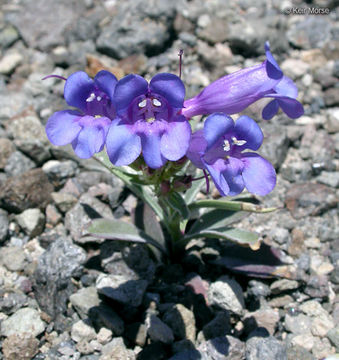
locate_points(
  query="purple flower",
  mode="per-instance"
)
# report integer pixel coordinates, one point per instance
(219, 148)
(235, 92)
(85, 128)
(148, 121)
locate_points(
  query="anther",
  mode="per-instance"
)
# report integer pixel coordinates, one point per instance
(238, 142)
(90, 98)
(156, 102)
(226, 145)
(142, 103)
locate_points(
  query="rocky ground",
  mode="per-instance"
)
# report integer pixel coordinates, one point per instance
(63, 298)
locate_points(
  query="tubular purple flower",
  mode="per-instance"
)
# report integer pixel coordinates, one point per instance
(218, 148)
(235, 92)
(148, 121)
(85, 128)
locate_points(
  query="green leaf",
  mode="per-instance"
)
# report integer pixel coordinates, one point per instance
(120, 230)
(239, 236)
(216, 218)
(193, 191)
(230, 205)
(144, 193)
(177, 203)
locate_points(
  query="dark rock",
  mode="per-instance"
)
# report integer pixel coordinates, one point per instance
(158, 330)
(57, 15)
(312, 32)
(137, 28)
(153, 351)
(137, 333)
(121, 289)
(52, 277)
(219, 326)
(32, 189)
(105, 316)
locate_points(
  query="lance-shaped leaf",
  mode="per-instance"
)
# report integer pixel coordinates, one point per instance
(177, 203)
(193, 191)
(239, 236)
(120, 230)
(130, 180)
(230, 205)
(216, 218)
(267, 262)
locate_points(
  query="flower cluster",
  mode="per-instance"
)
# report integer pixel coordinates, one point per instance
(134, 118)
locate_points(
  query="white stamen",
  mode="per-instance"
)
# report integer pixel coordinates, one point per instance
(227, 145)
(238, 142)
(150, 120)
(90, 98)
(142, 103)
(156, 102)
(99, 98)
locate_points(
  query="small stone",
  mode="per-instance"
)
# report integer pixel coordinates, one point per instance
(4, 224)
(82, 331)
(6, 149)
(332, 120)
(13, 258)
(282, 285)
(299, 325)
(223, 348)
(265, 318)
(104, 336)
(317, 286)
(329, 178)
(25, 320)
(333, 336)
(265, 348)
(64, 201)
(305, 341)
(18, 163)
(130, 203)
(53, 216)
(219, 326)
(105, 316)
(116, 287)
(321, 326)
(58, 171)
(158, 330)
(227, 294)
(8, 36)
(294, 68)
(137, 333)
(9, 62)
(116, 350)
(280, 301)
(32, 189)
(20, 347)
(182, 322)
(32, 221)
(322, 348)
(84, 347)
(319, 266)
(85, 299)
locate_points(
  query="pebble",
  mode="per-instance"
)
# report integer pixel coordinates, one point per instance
(299, 324)
(105, 316)
(182, 322)
(58, 171)
(85, 299)
(20, 347)
(18, 163)
(104, 336)
(13, 258)
(223, 348)
(282, 285)
(265, 318)
(82, 331)
(32, 221)
(219, 326)
(4, 225)
(24, 320)
(227, 294)
(64, 201)
(9, 62)
(333, 336)
(265, 348)
(7, 148)
(305, 341)
(118, 288)
(158, 330)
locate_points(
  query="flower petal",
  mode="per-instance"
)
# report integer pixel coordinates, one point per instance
(270, 110)
(287, 87)
(151, 145)
(272, 67)
(106, 82)
(247, 129)
(63, 127)
(127, 89)
(216, 126)
(197, 148)
(258, 174)
(77, 89)
(123, 146)
(170, 87)
(233, 176)
(90, 140)
(291, 107)
(175, 141)
(215, 171)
